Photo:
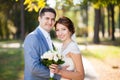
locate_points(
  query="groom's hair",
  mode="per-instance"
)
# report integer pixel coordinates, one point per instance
(47, 9)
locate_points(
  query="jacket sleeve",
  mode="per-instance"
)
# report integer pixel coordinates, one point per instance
(32, 52)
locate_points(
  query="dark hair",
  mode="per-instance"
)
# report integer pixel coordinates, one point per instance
(66, 22)
(46, 9)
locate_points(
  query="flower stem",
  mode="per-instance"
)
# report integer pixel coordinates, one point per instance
(51, 79)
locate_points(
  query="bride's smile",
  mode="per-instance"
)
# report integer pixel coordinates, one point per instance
(63, 33)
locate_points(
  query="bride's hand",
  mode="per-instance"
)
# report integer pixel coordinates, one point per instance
(65, 67)
(54, 68)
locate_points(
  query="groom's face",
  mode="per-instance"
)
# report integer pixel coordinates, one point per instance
(47, 21)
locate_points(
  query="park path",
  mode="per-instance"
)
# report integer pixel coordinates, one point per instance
(107, 70)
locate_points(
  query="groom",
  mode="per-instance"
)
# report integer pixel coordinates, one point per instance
(36, 43)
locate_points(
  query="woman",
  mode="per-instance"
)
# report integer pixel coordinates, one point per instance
(72, 69)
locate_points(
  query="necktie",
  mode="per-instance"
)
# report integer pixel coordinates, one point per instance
(50, 43)
(53, 47)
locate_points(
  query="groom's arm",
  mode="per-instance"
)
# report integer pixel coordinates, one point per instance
(32, 57)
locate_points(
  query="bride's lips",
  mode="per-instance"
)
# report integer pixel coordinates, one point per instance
(61, 37)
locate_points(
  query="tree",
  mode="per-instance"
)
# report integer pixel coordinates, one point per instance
(6, 18)
(102, 22)
(22, 19)
(96, 26)
(97, 5)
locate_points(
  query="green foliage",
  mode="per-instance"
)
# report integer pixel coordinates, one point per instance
(101, 3)
(51, 79)
(47, 62)
(31, 21)
(88, 53)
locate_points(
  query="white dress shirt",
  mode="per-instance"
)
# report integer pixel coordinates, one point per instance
(47, 37)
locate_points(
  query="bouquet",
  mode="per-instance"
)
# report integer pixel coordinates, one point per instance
(51, 57)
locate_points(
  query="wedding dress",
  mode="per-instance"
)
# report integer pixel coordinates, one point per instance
(90, 73)
(73, 48)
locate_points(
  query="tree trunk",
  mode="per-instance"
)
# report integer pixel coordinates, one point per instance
(22, 19)
(113, 21)
(86, 9)
(84, 13)
(109, 21)
(102, 22)
(96, 26)
(119, 21)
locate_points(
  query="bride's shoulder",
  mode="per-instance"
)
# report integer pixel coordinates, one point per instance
(73, 47)
(73, 44)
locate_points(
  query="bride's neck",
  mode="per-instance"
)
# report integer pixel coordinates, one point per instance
(66, 43)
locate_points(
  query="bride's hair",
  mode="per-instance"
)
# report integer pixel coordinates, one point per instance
(66, 22)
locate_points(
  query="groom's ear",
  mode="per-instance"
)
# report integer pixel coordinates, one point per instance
(39, 18)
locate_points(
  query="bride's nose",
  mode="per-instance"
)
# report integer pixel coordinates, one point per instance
(60, 32)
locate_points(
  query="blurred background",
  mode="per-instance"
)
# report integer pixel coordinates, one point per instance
(97, 25)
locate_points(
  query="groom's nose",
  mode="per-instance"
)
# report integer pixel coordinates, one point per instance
(50, 21)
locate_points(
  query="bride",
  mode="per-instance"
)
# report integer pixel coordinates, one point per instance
(72, 69)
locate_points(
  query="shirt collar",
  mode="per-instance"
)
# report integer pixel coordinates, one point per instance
(45, 33)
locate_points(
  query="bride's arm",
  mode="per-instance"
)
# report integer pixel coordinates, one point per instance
(78, 74)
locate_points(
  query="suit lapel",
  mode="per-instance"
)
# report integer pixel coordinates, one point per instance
(41, 36)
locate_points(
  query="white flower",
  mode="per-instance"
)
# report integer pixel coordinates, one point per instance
(47, 55)
(52, 57)
(55, 58)
(59, 56)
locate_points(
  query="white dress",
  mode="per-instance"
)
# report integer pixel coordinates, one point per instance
(90, 73)
(73, 48)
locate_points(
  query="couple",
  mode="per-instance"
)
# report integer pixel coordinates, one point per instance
(39, 41)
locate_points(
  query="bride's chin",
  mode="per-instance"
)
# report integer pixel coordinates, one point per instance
(62, 39)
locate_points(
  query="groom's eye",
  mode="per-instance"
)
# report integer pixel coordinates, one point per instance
(56, 30)
(64, 29)
(53, 19)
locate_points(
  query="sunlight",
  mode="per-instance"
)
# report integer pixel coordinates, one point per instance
(52, 3)
(77, 1)
(11, 45)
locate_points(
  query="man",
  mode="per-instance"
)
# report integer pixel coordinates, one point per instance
(36, 43)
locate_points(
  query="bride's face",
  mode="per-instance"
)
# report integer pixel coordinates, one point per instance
(62, 32)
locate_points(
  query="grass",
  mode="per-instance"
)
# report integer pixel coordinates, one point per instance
(102, 52)
(105, 49)
(11, 63)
